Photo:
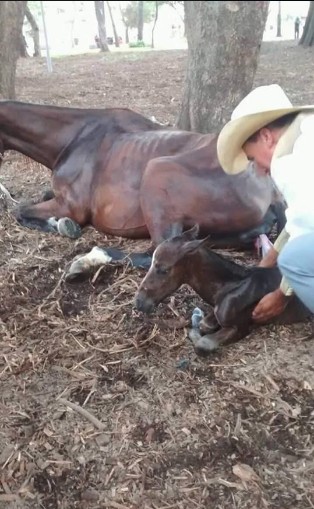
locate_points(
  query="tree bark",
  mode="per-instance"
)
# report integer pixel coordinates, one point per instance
(115, 33)
(155, 21)
(307, 38)
(140, 20)
(279, 19)
(100, 16)
(23, 47)
(11, 27)
(124, 21)
(224, 40)
(35, 31)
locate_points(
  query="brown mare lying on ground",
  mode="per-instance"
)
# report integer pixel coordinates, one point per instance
(230, 289)
(127, 176)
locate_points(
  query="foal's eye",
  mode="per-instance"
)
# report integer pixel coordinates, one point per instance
(162, 271)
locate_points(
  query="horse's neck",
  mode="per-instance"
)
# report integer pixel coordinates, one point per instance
(252, 190)
(208, 272)
(36, 131)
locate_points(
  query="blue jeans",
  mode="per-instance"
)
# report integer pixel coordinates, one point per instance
(296, 263)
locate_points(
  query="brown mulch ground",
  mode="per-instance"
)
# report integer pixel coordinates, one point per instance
(173, 431)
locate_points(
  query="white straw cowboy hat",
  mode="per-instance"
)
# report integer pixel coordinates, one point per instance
(260, 107)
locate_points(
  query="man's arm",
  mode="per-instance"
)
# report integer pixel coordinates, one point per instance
(270, 260)
(280, 242)
(273, 303)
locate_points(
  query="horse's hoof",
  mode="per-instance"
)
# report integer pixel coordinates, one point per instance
(77, 271)
(69, 228)
(76, 277)
(83, 266)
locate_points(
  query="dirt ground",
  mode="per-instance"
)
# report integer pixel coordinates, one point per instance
(231, 431)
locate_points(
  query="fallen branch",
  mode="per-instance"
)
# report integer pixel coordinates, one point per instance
(6, 193)
(116, 505)
(91, 418)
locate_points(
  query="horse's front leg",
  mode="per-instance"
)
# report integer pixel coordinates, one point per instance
(49, 216)
(204, 345)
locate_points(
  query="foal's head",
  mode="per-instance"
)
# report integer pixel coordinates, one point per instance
(168, 269)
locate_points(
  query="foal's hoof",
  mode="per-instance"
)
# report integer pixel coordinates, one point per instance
(203, 345)
(69, 228)
(197, 317)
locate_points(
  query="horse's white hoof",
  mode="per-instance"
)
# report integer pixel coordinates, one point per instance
(77, 269)
(83, 265)
(69, 228)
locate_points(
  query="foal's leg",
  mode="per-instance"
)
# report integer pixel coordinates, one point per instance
(48, 216)
(204, 345)
(205, 323)
(209, 324)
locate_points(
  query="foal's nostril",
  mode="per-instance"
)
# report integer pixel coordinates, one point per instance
(138, 303)
(144, 304)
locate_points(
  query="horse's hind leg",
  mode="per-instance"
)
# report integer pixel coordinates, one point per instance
(48, 216)
(83, 266)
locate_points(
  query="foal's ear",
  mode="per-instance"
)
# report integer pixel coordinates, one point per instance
(193, 245)
(191, 234)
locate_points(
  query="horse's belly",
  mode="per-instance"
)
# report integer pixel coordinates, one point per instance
(117, 209)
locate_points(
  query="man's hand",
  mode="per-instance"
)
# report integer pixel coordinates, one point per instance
(270, 306)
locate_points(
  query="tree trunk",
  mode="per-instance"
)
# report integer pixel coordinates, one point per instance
(100, 16)
(11, 26)
(115, 33)
(35, 31)
(140, 20)
(224, 40)
(279, 19)
(124, 21)
(23, 46)
(155, 21)
(307, 38)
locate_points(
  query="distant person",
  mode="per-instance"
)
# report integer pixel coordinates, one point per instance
(297, 28)
(97, 41)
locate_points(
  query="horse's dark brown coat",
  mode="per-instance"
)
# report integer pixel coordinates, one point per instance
(128, 176)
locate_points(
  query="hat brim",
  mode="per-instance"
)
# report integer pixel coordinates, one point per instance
(235, 133)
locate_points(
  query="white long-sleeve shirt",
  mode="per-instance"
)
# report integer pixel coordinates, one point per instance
(294, 176)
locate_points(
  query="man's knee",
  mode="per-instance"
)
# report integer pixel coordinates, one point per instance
(297, 255)
(285, 260)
